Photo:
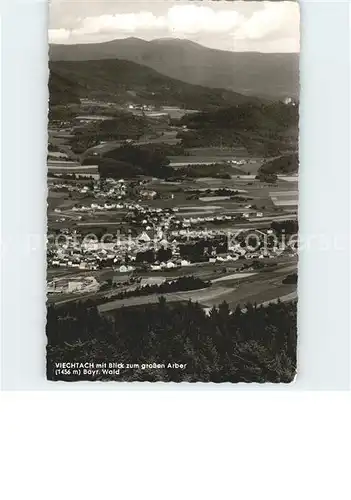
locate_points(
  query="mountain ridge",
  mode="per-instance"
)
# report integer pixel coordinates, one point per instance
(123, 81)
(269, 75)
(165, 39)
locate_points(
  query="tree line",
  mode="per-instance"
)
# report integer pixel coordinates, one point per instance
(182, 284)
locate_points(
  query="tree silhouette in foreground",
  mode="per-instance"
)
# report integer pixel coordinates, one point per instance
(257, 344)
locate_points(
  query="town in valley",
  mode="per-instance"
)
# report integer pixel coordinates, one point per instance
(113, 236)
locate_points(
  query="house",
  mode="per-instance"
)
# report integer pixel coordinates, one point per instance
(155, 267)
(149, 195)
(164, 243)
(144, 237)
(150, 234)
(221, 259)
(125, 269)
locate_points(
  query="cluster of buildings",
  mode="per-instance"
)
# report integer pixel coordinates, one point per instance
(140, 107)
(171, 218)
(74, 251)
(122, 254)
(172, 229)
(69, 187)
(109, 189)
(191, 221)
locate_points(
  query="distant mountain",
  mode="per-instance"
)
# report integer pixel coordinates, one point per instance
(252, 73)
(123, 81)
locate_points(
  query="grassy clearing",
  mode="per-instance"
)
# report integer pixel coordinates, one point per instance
(234, 276)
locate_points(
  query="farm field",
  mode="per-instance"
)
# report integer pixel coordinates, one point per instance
(234, 276)
(248, 186)
(256, 287)
(169, 138)
(225, 277)
(284, 198)
(258, 293)
(56, 199)
(196, 296)
(256, 195)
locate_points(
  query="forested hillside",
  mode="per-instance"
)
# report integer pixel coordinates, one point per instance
(269, 75)
(121, 81)
(258, 345)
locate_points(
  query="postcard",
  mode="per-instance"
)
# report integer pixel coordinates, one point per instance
(172, 211)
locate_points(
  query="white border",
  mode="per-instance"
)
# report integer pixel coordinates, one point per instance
(324, 347)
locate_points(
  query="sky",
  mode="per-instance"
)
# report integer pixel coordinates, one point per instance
(237, 26)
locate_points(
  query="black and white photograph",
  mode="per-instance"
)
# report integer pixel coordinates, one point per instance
(172, 205)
